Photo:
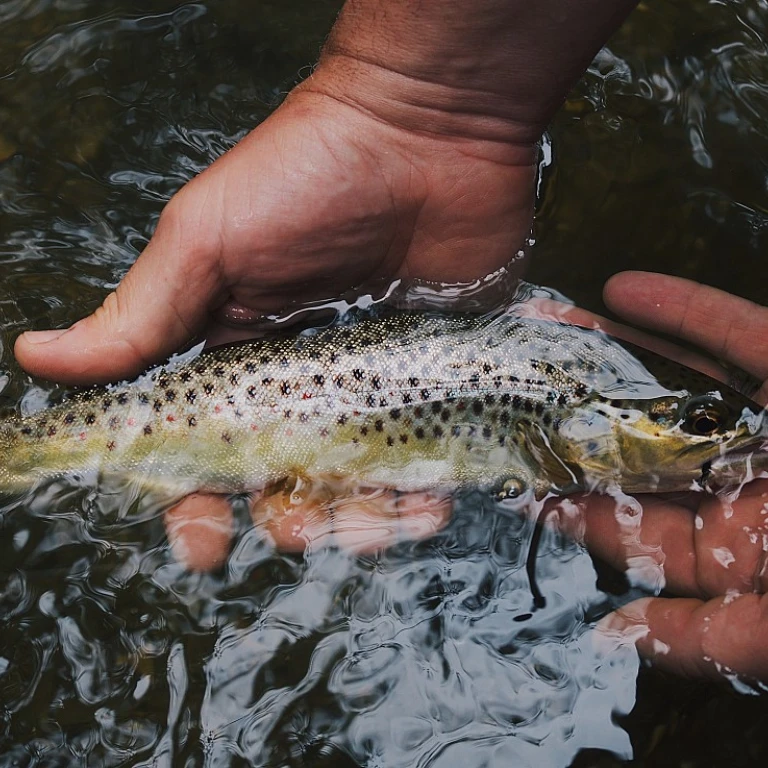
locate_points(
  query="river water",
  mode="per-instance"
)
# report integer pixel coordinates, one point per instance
(425, 654)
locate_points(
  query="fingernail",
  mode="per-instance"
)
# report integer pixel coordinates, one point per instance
(43, 337)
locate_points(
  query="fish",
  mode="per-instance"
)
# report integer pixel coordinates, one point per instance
(405, 400)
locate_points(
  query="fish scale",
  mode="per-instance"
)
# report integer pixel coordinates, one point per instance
(410, 401)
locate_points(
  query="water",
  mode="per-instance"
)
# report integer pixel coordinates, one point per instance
(427, 653)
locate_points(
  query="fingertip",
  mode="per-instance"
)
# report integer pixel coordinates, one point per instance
(199, 530)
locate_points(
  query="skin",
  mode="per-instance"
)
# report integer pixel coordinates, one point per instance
(399, 157)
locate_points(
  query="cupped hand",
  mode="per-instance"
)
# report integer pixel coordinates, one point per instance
(320, 198)
(710, 552)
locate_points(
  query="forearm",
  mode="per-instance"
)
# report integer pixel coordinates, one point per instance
(495, 69)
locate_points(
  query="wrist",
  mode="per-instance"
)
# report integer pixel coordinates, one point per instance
(422, 108)
(494, 70)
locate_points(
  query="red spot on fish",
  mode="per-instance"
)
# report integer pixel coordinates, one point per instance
(217, 409)
(82, 436)
(306, 396)
(289, 432)
(131, 422)
(254, 428)
(170, 418)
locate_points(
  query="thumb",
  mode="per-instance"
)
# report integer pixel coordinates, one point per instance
(162, 302)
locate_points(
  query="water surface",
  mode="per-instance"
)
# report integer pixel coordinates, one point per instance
(426, 654)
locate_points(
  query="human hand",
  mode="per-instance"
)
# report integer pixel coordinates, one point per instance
(709, 551)
(321, 197)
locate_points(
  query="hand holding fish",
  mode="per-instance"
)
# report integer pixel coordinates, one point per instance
(710, 551)
(395, 158)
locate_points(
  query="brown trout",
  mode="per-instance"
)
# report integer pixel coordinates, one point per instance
(409, 401)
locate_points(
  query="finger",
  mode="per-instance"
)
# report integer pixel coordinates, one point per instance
(325, 514)
(155, 310)
(718, 548)
(199, 530)
(727, 326)
(566, 313)
(722, 637)
(649, 538)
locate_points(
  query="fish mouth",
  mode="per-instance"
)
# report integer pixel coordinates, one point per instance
(737, 466)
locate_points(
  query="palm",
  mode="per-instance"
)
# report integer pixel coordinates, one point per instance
(307, 208)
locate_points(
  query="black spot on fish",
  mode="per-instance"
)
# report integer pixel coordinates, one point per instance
(455, 430)
(419, 432)
(287, 413)
(376, 382)
(437, 407)
(547, 419)
(51, 431)
(489, 399)
(200, 368)
(143, 398)
(562, 400)
(250, 368)
(170, 395)
(106, 404)
(267, 381)
(437, 430)
(338, 381)
(425, 394)
(303, 417)
(445, 415)
(191, 396)
(234, 379)
(185, 376)
(363, 431)
(192, 421)
(114, 422)
(477, 407)
(418, 412)
(122, 398)
(218, 371)
(158, 406)
(395, 414)
(319, 379)
(226, 437)
(528, 406)
(252, 391)
(69, 417)
(162, 381)
(147, 429)
(379, 425)
(265, 359)
(504, 418)
(285, 388)
(487, 367)
(358, 374)
(343, 419)
(403, 439)
(407, 398)
(390, 441)
(487, 432)
(413, 382)
(208, 388)
(26, 430)
(90, 418)
(539, 409)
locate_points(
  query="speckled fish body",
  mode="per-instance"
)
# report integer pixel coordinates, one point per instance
(410, 401)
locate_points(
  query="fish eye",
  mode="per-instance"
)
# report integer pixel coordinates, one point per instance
(704, 416)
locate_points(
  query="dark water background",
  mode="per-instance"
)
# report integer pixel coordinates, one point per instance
(110, 655)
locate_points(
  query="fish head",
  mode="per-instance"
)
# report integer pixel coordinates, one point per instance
(685, 431)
